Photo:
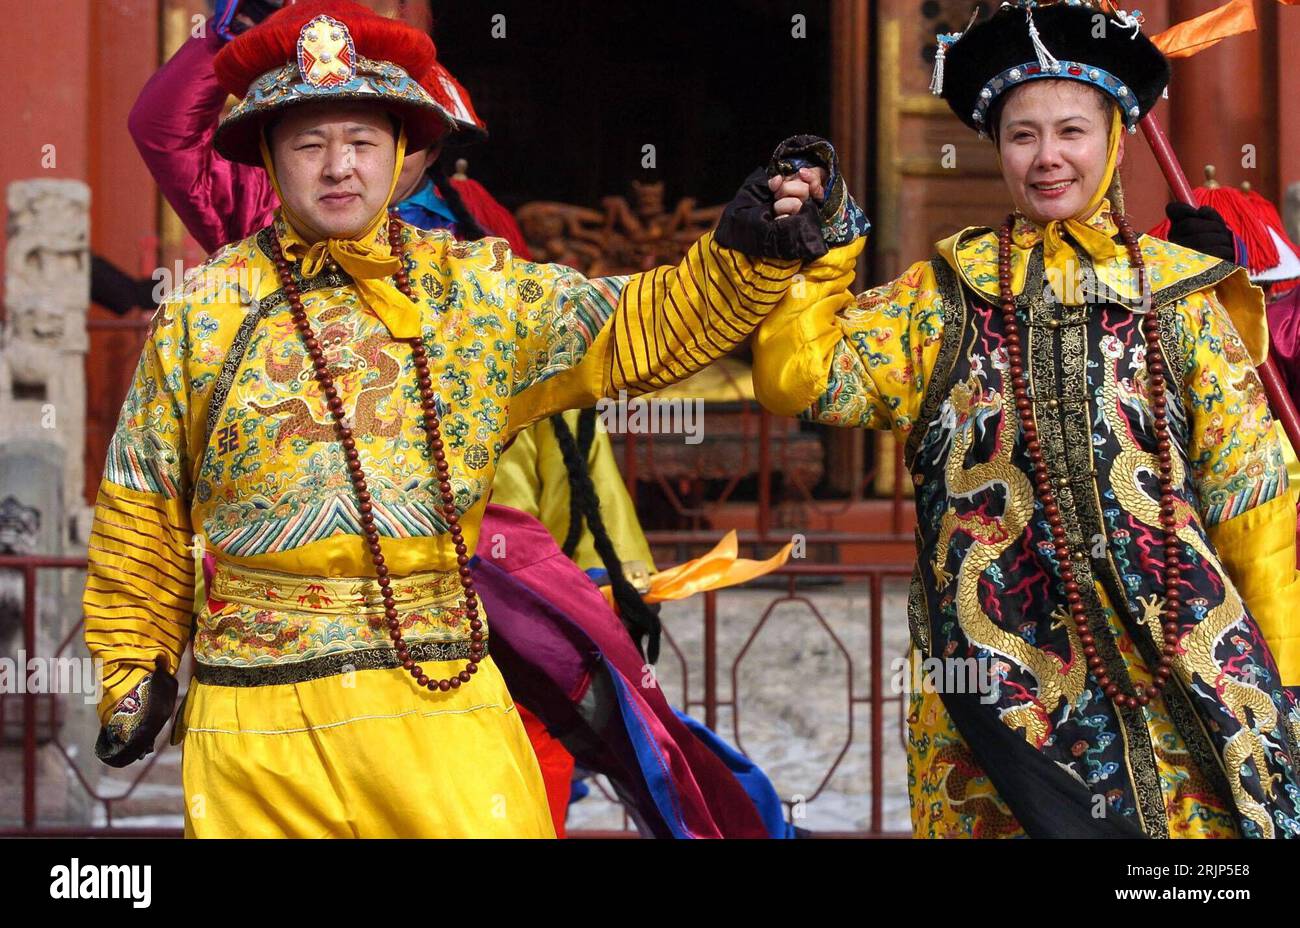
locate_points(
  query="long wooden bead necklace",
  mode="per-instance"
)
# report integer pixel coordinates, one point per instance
(1042, 482)
(433, 428)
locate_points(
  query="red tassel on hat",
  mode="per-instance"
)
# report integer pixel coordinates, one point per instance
(1267, 214)
(452, 96)
(488, 213)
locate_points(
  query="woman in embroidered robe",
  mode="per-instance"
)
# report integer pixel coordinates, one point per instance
(300, 720)
(1042, 749)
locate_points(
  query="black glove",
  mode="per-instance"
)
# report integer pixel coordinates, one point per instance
(750, 226)
(136, 720)
(1201, 229)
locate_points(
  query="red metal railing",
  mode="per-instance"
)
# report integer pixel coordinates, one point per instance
(890, 547)
(887, 546)
(708, 697)
(29, 702)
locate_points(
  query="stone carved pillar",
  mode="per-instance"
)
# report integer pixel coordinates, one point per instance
(43, 340)
(43, 344)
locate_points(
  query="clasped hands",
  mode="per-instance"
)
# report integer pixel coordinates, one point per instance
(792, 191)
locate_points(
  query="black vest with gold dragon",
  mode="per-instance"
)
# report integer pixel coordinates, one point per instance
(987, 587)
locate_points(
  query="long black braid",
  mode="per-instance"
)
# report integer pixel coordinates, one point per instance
(466, 225)
(577, 502)
(641, 620)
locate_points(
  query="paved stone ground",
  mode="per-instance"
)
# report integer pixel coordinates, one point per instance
(792, 691)
(791, 688)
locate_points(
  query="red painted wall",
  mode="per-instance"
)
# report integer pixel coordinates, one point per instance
(74, 69)
(46, 93)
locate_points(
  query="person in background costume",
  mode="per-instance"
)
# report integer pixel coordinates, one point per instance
(1105, 517)
(342, 684)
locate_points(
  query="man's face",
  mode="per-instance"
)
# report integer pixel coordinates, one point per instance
(1053, 137)
(335, 164)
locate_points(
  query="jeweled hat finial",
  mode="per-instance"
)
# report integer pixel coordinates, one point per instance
(326, 55)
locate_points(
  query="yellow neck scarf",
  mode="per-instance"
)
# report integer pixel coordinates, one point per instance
(367, 257)
(1092, 229)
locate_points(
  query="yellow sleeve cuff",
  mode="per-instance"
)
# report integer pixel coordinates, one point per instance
(123, 679)
(1258, 551)
(795, 343)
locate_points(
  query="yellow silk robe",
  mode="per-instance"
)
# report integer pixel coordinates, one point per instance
(305, 734)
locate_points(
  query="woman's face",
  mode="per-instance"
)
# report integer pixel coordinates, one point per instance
(1053, 136)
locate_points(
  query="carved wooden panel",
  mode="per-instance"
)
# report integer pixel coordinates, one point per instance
(622, 237)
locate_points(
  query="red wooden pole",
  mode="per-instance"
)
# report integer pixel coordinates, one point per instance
(1278, 398)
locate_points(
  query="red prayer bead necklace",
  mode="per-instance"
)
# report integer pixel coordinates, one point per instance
(1164, 454)
(433, 427)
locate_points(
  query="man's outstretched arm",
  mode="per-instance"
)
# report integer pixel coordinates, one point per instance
(587, 339)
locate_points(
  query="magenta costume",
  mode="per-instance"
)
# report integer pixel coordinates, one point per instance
(172, 124)
(566, 656)
(1284, 339)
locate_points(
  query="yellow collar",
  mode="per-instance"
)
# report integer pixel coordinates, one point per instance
(1026, 234)
(296, 248)
(369, 261)
(973, 254)
(1172, 272)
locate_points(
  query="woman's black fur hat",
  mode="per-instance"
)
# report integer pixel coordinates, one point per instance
(1069, 40)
